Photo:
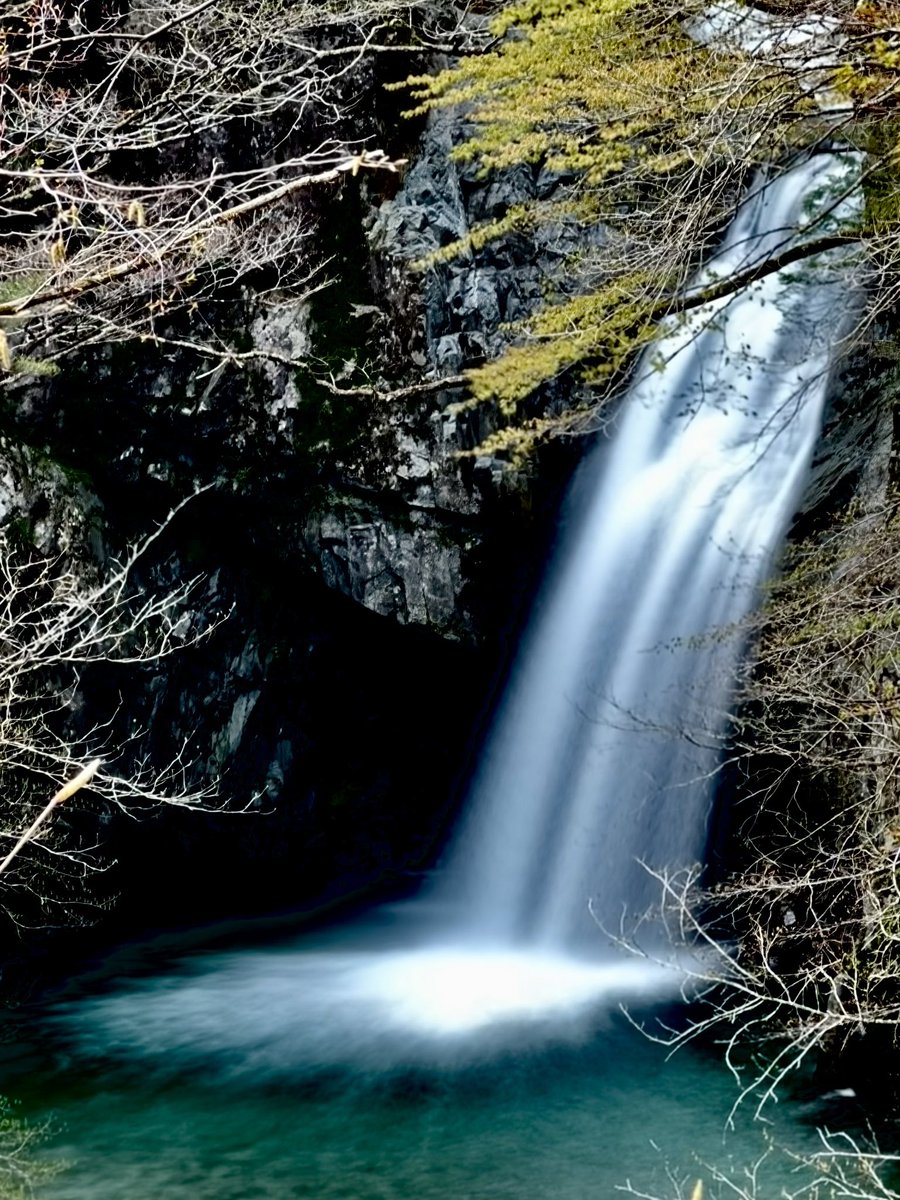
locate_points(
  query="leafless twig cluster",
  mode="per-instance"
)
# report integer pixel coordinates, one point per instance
(153, 153)
(798, 949)
(58, 621)
(843, 1167)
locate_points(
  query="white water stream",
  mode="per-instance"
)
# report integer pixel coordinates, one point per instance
(605, 751)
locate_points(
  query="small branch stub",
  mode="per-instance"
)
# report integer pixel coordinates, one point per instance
(82, 779)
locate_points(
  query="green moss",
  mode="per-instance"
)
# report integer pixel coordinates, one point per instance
(77, 475)
(35, 366)
(20, 532)
(20, 286)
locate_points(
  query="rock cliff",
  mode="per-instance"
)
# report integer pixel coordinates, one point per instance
(368, 565)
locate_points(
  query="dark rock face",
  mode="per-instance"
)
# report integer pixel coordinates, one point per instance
(469, 302)
(854, 454)
(370, 573)
(414, 549)
(343, 735)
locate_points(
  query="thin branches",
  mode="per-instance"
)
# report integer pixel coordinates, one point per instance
(153, 156)
(59, 623)
(82, 779)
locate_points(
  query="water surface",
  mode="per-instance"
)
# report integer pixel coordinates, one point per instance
(219, 1074)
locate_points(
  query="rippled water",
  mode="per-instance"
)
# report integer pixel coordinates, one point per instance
(269, 1070)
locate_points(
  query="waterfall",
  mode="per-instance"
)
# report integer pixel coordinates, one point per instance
(604, 754)
(603, 759)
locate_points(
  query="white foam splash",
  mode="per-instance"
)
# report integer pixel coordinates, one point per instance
(285, 1010)
(450, 991)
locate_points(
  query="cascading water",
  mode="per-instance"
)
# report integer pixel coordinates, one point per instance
(587, 774)
(601, 762)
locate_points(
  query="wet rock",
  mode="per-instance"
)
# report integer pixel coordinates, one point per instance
(411, 573)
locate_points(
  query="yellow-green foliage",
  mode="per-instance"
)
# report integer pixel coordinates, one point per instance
(515, 442)
(35, 366)
(870, 79)
(599, 330)
(620, 98)
(592, 86)
(520, 218)
(658, 134)
(20, 286)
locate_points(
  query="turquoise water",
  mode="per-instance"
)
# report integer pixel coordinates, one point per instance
(154, 1097)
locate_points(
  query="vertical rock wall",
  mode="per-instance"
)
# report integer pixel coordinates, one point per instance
(368, 572)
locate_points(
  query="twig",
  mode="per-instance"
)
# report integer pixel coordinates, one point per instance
(68, 790)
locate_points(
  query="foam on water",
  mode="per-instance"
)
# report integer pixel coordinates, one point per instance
(355, 1003)
(457, 991)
